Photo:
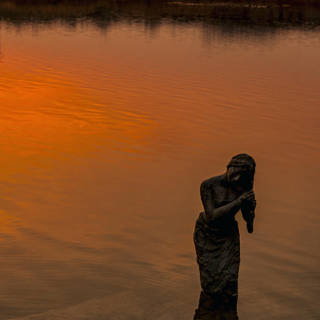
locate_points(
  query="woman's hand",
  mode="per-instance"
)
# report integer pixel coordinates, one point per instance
(249, 200)
(248, 196)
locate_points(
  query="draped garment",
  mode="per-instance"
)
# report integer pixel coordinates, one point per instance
(218, 257)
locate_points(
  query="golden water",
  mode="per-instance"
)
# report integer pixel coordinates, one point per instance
(105, 137)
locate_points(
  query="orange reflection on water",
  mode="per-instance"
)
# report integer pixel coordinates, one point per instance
(43, 116)
(105, 141)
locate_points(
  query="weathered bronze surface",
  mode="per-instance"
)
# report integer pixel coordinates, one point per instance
(216, 237)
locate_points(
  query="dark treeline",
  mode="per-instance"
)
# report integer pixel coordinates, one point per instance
(103, 12)
(313, 3)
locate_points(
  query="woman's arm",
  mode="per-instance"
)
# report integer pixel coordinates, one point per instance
(211, 211)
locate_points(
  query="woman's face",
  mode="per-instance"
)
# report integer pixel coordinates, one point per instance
(237, 175)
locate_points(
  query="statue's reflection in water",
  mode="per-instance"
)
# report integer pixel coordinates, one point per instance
(217, 239)
(216, 306)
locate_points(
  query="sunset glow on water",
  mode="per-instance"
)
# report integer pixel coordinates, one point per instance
(106, 135)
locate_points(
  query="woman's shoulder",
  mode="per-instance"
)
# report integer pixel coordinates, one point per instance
(213, 182)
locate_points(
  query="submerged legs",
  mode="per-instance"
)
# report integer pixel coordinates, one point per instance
(216, 306)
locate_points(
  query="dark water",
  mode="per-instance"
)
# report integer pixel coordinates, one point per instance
(108, 127)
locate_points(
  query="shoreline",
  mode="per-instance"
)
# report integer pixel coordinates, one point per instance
(100, 12)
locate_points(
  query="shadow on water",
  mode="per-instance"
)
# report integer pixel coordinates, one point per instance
(153, 13)
(234, 18)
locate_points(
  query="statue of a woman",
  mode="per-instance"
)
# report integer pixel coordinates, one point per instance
(216, 237)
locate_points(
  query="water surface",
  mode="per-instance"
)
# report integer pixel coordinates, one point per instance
(106, 134)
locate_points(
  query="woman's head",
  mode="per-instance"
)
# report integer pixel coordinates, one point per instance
(241, 170)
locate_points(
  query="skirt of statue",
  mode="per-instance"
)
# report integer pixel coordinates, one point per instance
(218, 257)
